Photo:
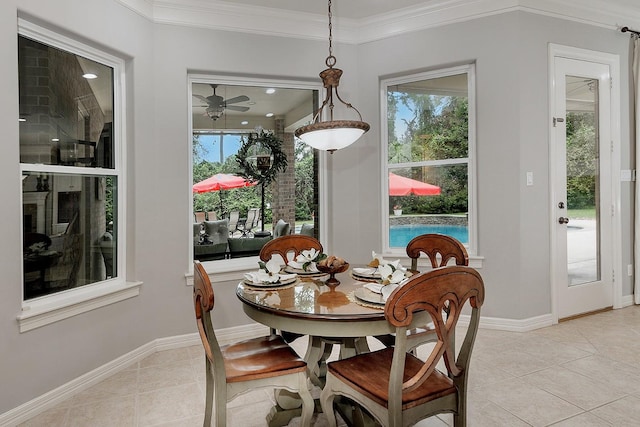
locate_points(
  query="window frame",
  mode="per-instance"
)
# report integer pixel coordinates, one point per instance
(387, 167)
(232, 269)
(51, 308)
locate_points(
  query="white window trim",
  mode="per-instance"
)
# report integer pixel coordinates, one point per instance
(233, 269)
(53, 308)
(469, 69)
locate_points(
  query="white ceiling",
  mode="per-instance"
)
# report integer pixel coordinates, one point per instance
(360, 21)
(292, 105)
(353, 9)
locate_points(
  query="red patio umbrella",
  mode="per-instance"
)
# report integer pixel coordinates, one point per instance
(221, 181)
(402, 186)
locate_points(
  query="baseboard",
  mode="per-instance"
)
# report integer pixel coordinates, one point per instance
(56, 396)
(627, 300)
(510, 325)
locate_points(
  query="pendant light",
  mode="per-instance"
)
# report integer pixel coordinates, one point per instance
(331, 135)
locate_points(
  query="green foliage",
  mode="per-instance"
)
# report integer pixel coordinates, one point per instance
(242, 199)
(262, 143)
(437, 130)
(581, 160)
(222, 202)
(304, 177)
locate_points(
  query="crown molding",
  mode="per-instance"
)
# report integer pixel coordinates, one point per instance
(227, 16)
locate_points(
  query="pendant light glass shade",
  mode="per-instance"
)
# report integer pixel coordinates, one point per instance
(331, 135)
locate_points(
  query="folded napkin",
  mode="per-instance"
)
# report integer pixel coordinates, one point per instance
(385, 290)
(306, 260)
(311, 266)
(374, 287)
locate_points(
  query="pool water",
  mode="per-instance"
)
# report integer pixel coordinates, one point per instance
(400, 235)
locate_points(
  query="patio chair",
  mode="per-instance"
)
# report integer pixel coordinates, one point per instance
(234, 217)
(396, 387)
(247, 365)
(199, 216)
(212, 216)
(251, 222)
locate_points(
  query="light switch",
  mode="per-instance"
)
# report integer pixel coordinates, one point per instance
(529, 179)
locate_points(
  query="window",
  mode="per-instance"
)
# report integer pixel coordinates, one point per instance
(233, 222)
(71, 171)
(429, 156)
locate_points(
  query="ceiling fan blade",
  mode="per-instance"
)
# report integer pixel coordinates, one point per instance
(236, 108)
(201, 98)
(237, 99)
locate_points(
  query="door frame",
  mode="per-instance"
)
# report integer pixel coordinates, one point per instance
(613, 61)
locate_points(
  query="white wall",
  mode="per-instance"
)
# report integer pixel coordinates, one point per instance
(510, 52)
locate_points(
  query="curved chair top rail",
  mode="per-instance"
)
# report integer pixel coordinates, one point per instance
(437, 244)
(283, 245)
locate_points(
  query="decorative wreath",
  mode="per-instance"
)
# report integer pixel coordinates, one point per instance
(249, 169)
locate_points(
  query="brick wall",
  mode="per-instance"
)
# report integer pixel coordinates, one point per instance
(284, 187)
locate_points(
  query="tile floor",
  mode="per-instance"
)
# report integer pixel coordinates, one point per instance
(583, 372)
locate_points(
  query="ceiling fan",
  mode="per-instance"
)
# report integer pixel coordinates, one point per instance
(217, 104)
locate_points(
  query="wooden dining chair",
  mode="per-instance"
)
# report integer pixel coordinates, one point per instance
(396, 387)
(237, 368)
(290, 244)
(439, 248)
(288, 247)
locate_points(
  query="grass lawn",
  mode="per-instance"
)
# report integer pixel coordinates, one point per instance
(582, 213)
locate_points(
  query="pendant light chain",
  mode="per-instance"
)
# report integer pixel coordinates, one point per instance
(331, 60)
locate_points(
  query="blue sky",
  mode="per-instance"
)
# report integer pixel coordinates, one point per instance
(212, 144)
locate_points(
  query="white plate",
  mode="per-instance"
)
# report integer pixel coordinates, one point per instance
(286, 281)
(368, 272)
(366, 295)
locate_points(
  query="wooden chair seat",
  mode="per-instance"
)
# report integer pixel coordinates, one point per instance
(262, 357)
(369, 373)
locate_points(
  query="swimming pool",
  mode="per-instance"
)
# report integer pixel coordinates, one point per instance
(400, 235)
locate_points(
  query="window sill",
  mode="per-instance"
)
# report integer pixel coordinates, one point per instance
(47, 310)
(475, 261)
(226, 270)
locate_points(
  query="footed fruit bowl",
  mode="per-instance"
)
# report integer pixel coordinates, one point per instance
(332, 265)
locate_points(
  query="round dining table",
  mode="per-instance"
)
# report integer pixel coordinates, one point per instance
(327, 314)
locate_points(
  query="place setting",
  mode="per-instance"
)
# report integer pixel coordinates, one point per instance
(269, 276)
(306, 264)
(381, 277)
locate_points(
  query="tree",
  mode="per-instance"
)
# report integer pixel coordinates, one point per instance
(436, 129)
(581, 160)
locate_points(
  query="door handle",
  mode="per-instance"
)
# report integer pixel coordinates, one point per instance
(563, 220)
